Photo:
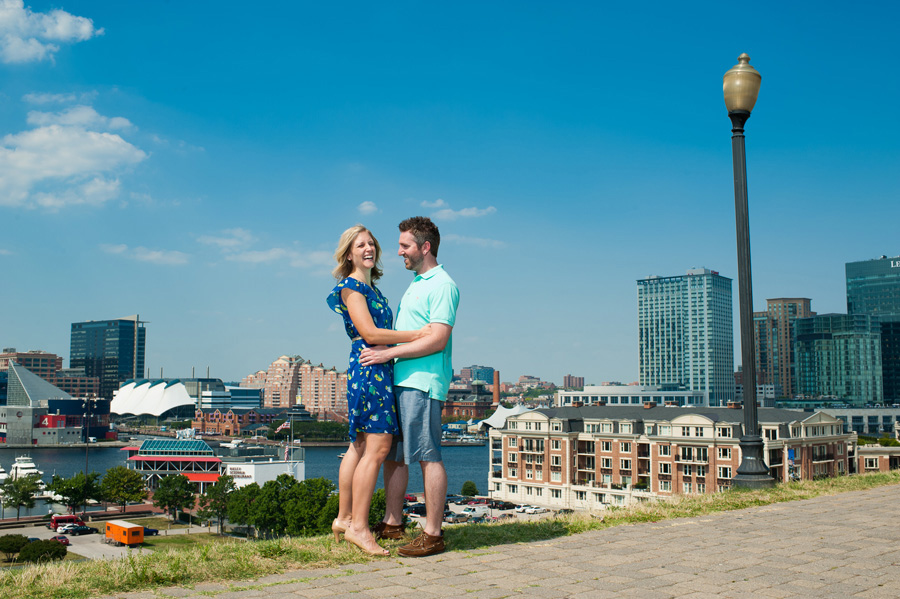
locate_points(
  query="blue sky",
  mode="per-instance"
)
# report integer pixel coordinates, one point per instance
(195, 163)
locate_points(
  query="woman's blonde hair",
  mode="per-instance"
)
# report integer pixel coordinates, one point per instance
(344, 266)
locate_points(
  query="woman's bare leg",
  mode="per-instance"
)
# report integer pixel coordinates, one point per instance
(345, 480)
(377, 447)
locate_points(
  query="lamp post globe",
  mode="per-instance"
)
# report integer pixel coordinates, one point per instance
(740, 86)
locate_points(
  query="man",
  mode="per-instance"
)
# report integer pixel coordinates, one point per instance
(422, 373)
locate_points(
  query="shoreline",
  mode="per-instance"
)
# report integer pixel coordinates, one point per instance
(116, 444)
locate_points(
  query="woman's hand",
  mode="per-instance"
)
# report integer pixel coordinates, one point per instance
(423, 332)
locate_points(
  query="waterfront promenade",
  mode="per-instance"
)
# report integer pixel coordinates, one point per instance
(846, 545)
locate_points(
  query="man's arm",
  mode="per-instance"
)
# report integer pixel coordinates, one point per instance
(425, 346)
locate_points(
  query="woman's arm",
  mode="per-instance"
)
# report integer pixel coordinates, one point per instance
(362, 320)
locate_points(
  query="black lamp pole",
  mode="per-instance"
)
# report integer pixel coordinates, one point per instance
(741, 87)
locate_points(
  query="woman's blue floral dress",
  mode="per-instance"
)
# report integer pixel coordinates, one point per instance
(370, 395)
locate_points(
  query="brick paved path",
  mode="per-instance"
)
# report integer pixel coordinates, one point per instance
(840, 546)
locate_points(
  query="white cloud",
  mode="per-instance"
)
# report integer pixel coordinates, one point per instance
(294, 258)
(448, 214)
(114, 249)
(94, 192)
(438, 203)
(77, 116)
(142, 254)
(4, 252)
(45, 98)
(167, 257)
(367, 208)
(27, 36)
(230, 239)
(476, 241)
(62, 163)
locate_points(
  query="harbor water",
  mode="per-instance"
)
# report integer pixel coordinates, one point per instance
(462, 463)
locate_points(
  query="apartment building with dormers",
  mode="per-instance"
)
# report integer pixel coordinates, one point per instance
(591, 457)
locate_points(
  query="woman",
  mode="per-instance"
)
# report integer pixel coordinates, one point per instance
(370, 398)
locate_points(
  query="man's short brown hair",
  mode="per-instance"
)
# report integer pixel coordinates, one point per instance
(423, 230)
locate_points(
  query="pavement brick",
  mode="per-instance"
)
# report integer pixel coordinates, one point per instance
(825, 548)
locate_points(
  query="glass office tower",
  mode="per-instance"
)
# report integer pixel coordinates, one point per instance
(873, 288)
(839, 356)
(112, 350)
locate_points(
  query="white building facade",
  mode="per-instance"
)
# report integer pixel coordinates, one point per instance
(686, 333)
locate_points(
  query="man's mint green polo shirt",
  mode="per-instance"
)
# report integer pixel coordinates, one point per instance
(432, 297)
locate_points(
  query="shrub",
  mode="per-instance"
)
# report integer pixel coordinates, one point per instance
(12, 544)
(469, 488)
(42, 551)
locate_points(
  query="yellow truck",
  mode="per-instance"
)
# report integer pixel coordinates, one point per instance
(120, 532)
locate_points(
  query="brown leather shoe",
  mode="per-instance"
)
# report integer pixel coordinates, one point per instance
(423, 545)
(388, 531)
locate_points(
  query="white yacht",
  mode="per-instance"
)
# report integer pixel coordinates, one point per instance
(24, 466)
(3, 475)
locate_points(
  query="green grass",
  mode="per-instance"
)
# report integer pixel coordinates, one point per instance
(176, 561)
(159, 543)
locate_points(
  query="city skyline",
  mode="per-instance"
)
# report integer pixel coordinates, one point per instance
(565, 151)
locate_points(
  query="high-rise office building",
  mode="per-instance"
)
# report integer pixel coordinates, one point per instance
(873, 288)
(839, 356)
(685, 333)
(476, 373)
(112, 350)
(773, 332)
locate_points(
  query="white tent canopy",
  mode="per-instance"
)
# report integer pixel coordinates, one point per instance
(150, 397)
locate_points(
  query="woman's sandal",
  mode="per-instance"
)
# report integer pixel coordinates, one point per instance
(380, 552)
(337, 528)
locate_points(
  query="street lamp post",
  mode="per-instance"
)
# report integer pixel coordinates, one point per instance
(741, 87)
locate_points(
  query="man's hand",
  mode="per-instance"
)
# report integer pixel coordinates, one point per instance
(374, 355)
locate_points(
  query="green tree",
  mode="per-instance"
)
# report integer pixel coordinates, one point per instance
(330, 511)
(271, 508)
(305, 502)
(76, 490)
(10, 545)
(241, 505)
(42, 551)
(175, 492)
(20, 492)
(214, 501)
(121, 485)
(469, 488)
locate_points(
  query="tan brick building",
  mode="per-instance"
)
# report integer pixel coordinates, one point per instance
(292, 380)
(594, 456)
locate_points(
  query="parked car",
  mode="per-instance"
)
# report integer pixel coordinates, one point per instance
(501, 505)
(61, 539)
(410, 498)
(565, 512)
(478, 519)
(454, 518)
(416, 509)
(506, 516)
(520, 509)
(463, 500)
(82, 530)
(65, 528)
(535, 510)
(150, 532)
(479, 501)
(453, 498)
(475, 510)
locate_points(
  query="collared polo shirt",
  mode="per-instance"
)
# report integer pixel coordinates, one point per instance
(432, 297)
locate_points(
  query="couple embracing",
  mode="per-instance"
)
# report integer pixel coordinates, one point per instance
(398, 377)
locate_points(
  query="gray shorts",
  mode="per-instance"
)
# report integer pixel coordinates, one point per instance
(420, 427)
